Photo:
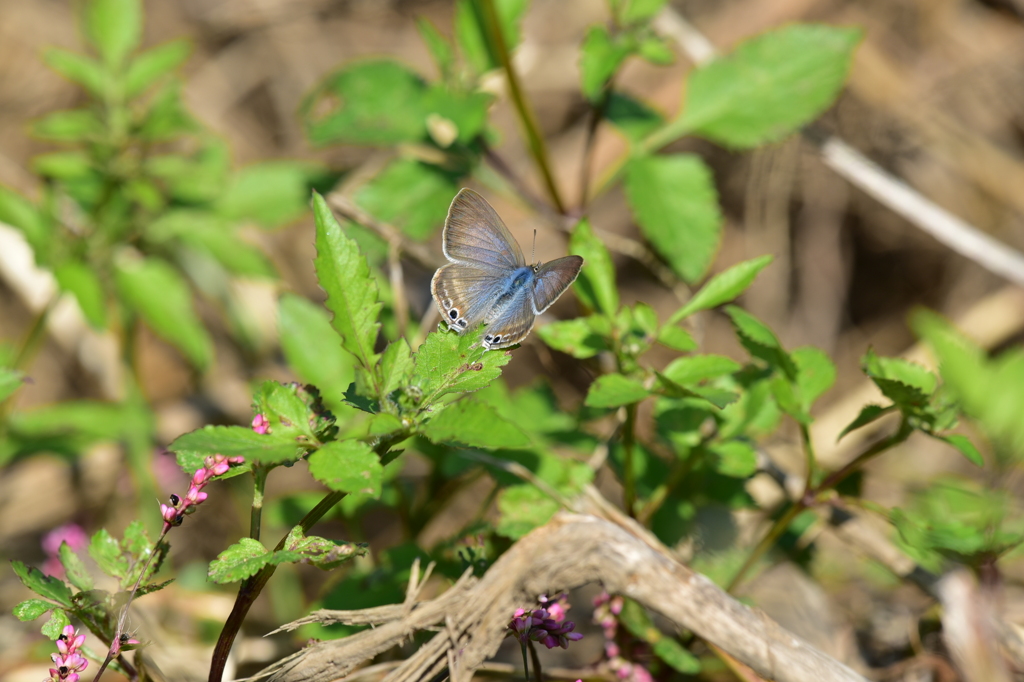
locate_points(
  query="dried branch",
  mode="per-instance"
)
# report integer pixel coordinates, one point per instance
(572, 550)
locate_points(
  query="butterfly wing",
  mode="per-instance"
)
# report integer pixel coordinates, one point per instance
(465, 294)
(511, 323)
(474, 235)
(552, 279)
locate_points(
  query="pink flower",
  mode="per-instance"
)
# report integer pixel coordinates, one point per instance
(215, 465)
(70, 533)
(260, 424)
(540, 625)
(68, 662)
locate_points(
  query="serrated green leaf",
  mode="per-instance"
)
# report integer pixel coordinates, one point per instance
(43, 585)
(272, 193)
(10, 381)
(768, 87)
(74, 568)
(723, 287)
(55, 626)
(411, 195)
(114, 27)
(378, 102)
(693, 369)
(575, 337)
(600, 57)
(676, 338)
(595, 285)
(81, 281)
(245, 558)
(673, 653)
(396, 366)
(107, 554)
(615, 390)
(78, 68)
(351, 290)
(348, 466)
(30, 609)
(320, 552)
(149, 66)
(231, 441)
(474, 424)
(448, 363)
(815, 374)
(906, 383)
(287, 412)
(160, 296)
(311, 347)
(522, 508)
(760, 341)
(633, 118)
(868, 414)
(674, 201)
(20, 213)
(69, 125)
(966, 448)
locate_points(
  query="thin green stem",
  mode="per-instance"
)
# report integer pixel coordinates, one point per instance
(536, 661)
(766, 543)
(538, 148)
(597, 114)
(34, 335)
(259, 475)
(628, 465)
(679, 470)
(253, 586)
(812, 461)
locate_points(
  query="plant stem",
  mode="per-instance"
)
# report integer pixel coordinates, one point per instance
(597, 114)
(536, 661)
(253, 586)
(533, 135)
(680, 469)
(628, 470)
(812, 462)
(259, 475)
(813, 493)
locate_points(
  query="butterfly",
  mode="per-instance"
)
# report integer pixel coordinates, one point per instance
(488, 279)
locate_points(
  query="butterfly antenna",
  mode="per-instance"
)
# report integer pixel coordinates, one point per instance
(533, 252)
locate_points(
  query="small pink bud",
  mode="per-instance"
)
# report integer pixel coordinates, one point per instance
(199, 477)
(260, 424)
(220, 468)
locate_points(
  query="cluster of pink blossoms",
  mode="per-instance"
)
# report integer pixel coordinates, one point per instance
(606, 614)
(69, 662)
(174, 513)
(546, 625)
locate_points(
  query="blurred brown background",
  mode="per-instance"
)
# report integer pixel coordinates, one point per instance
(936, 96)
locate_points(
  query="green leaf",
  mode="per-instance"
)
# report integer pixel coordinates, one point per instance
(70, 125)
(770, 86)
(906, 383)
(168, 119)
(149, 66)
(55, 626)
(636, 11)
(574, 337)
(815, 374)
(376, 102)
(43, 585)
(633, 118)
(244, 559)
(966, 448)
(107, 554)
(473, 37)
(410, 195)
(287, 412)
(81, 281)
(656, 50)
(693, 369)
(348, 466)
(760, 341)
(448, 363)
(600, 57)
(208, 232)
(735, 458)
(466, 111)
(440, 48)
(30, 609)
(92, 418)
(723, 287)
(595, 285)
(311, 347)
(868, 414)
(676, 338)
(10, 381)
(231, 441)
(271, 193)
(20, 213)
(114, 27)
(523, 508)
(77, 574)
(351, 290)
(155, 290)
(474, 424)
(674, 201)
(320, 552)
(615, 390)
(63, 165)
(78, 68)
(673, 653)
(396, 366)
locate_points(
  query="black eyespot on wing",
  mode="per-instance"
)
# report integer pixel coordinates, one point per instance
(497, 339)
(488, 338)
(453, 313)
(462, 323)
